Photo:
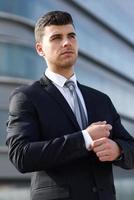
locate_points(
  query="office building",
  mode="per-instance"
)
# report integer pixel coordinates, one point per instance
(106, 55)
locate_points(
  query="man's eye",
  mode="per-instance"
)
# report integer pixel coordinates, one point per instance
(72, 36)
(55, 38)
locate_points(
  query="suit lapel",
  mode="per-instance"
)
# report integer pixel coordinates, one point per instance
(59, 98)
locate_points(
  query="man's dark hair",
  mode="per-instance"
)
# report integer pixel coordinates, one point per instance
(51, 18)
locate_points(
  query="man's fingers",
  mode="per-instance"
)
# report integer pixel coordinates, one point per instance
(106, 149)
(105, 158)
(99, 123)
(102, 153)
(99, 130)
(99, 142)
(98, 148)
(108, 127)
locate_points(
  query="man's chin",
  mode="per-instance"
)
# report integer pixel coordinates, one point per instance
(68, 64)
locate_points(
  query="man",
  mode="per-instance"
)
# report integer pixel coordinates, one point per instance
(68, 134)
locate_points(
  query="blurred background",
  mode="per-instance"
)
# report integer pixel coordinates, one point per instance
(105, 30)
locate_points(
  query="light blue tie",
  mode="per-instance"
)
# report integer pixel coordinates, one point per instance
(78, 108)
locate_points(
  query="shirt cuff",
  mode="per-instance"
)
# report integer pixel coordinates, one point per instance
(87, 138)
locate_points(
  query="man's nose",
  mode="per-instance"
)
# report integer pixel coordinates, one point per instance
(66, 42)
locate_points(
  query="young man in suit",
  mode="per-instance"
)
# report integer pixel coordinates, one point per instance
(69, 136)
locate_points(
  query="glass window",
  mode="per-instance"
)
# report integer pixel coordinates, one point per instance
(103, 46)
(117, 14)
(3, 119)
(14, 191)
(29, 9)
(125, 188)
(20, 61)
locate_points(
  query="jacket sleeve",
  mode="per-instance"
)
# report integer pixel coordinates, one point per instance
(26, 151)
(124, 140)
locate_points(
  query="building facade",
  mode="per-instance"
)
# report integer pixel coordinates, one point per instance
(106, 55)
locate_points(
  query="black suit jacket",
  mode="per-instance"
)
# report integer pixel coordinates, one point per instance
(45, 138)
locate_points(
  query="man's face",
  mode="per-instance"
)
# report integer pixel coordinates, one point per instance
(59, 46)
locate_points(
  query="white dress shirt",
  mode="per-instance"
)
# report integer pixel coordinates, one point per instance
(59, 81)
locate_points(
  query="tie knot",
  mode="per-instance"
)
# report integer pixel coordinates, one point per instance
(70, 85)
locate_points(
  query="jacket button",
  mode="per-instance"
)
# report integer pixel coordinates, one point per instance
(94, 189)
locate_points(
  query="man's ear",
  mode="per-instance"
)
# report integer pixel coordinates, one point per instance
(39, 49)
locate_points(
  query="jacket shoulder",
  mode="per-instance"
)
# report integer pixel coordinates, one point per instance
(27, 89)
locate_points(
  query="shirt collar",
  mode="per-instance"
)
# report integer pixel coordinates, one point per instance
(59, 79)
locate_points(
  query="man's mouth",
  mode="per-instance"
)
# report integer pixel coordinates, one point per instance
(67, 52)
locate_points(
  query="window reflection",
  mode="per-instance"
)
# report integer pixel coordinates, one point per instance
(14, 191)
(20, 61)
(3, 119)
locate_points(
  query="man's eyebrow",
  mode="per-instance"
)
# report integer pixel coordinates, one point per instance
(60, 34)
(72, 33)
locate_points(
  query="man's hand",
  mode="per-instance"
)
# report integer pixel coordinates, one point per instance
(106, 149)
(99, 130)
